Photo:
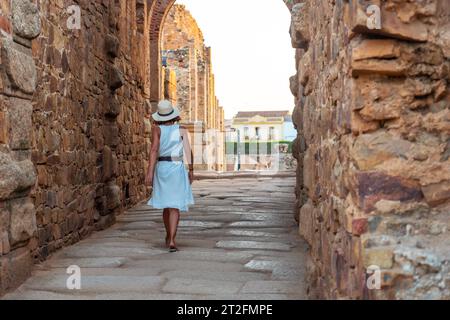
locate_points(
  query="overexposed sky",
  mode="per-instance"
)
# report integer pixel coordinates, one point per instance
(252, 53)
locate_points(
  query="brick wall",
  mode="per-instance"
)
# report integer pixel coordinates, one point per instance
(372, 111)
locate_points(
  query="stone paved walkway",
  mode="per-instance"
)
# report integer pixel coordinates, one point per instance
(240, 241)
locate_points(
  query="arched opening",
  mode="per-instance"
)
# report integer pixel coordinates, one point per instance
(192, 59)
(158, 11)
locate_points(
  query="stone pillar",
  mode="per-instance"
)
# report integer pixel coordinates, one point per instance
(194, 85)
(202, 92)
(170, 85)
(19, 25)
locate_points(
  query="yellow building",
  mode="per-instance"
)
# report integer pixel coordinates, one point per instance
(264, 126)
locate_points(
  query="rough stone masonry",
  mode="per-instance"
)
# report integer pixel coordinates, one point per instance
(189, 82)
(19, 24)
(373, 116)
(74, 132)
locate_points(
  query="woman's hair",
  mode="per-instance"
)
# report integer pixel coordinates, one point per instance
(165, 122)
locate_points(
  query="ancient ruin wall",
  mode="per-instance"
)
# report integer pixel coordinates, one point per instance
(19, 25)
(373, 115)
(74, 127)
(189, 61)
(90, 132)
(186, 54)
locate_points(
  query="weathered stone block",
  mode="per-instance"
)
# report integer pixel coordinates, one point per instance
(5, 221)
(15, 268)
(294, 85)
(380, 257)
(16, 176)
(375, 186)
(116, 79)
(380, 100)
(113, 107)
(5, 25)
(20, 126)
(376, 48)
(393, 68)
(5, 247)
(113, 196)
(23, 221)
(359, 226)
(3, 128)
(299, 26)
(306, 221)
(437, 193)
(107, 161)
(19, 66)
(392, 25)
(26, 19)
(372, 149)
(111, 135)
(359, 125)
(112, 46)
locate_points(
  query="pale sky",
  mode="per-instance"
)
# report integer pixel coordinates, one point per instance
(252, 53)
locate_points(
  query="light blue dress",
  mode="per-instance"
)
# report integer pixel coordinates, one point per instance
(171, 186)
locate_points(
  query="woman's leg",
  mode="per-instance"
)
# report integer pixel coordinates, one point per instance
(173, 221)
(166, 217)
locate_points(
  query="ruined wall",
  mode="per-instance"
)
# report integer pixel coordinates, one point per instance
(19, 24)
(85, 129)
(373, 115)
(90, 144)
(185, 54)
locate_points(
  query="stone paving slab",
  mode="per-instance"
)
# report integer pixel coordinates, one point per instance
(109, 262)
(98, 283)
(98, 251)
(285, 287)
(202, 286)
(213, 275)
(238, 242)
(277, 246)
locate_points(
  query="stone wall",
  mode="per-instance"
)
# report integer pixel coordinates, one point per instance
(19, 24)
(81, 116)
(91, 136)
(373, 116)
(186, 55)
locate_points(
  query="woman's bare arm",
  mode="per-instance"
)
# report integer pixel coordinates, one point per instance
(154, 154)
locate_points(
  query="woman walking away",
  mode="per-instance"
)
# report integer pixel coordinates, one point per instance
(167, 174)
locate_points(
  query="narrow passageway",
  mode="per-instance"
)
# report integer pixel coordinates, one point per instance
(240, 241)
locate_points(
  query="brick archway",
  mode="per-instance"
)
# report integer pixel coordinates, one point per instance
(158, 11)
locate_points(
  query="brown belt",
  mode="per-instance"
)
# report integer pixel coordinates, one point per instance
(170, 159)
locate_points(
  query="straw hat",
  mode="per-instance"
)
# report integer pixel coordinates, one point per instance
(166, 112)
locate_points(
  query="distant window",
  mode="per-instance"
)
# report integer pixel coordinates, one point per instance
(257, 132)
(272, 133)
(246, 133)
